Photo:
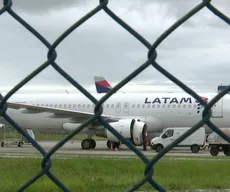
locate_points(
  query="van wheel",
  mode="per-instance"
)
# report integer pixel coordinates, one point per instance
(214, 151)
(159, 148)
(226, 150)
(195, 148)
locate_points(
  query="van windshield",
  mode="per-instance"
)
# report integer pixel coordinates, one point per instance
(168, 133)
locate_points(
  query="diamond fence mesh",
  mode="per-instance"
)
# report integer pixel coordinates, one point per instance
(103, 5)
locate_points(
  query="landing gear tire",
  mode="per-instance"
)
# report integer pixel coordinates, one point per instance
(108, 143)
(115, 144)
(88, 144)
(93, 143)
(2, 144)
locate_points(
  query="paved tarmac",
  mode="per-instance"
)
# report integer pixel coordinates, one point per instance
(101, 148)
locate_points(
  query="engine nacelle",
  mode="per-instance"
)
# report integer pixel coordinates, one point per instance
(70, 126)
(131, 129)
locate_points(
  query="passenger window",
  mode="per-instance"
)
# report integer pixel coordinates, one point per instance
(107, 106)
(163, 106)
(143, 106)
(153, 106)
(133, 106)
(138, 106)
(168, 133)
(148, 106)
(88, 106)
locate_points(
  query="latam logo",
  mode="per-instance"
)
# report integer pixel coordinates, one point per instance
(168, 100)
(199, 106)
(175, 100)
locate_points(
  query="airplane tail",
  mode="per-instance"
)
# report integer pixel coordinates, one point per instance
(102, 85)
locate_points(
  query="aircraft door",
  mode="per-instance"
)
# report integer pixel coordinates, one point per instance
(126, 107)
(217, 109)
(118, 107)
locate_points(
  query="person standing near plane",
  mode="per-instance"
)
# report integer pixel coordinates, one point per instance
(145, 142)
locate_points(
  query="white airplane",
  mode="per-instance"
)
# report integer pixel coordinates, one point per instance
(133, 115)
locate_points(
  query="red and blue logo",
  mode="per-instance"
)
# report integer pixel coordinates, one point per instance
(102, 86)
(204, 98)
(199, 106)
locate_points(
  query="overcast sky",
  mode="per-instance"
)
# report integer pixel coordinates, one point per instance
(197, 52)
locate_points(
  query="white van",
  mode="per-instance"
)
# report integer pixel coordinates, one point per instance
(195, 141)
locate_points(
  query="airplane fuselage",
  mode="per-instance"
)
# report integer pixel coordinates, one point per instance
(157, 110)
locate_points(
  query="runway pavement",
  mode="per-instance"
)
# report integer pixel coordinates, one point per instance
(101, 149)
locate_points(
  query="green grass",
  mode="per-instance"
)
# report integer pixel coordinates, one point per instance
(59, 137)
(41, 136)
(88, 174)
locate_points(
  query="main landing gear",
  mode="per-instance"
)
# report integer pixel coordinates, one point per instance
(115, 144)
(88, 144)
(91, 144)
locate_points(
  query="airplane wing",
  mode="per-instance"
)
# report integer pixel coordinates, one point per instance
(77, 116)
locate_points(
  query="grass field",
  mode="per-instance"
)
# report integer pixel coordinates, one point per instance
(39, 136)
(88, 174)
(59, 137)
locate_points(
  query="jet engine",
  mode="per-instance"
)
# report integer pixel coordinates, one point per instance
(131, 129)
(70, 126)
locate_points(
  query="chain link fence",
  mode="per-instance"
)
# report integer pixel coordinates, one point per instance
(151, 60)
